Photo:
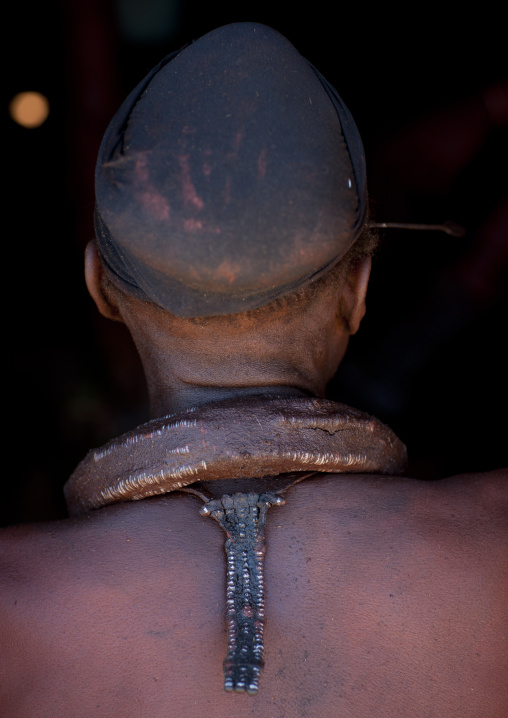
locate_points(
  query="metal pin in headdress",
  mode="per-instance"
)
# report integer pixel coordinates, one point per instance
(448, 227)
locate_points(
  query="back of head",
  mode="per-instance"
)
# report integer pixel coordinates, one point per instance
(231, 176)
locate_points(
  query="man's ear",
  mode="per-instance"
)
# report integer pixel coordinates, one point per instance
(354, 292)
(94, 274)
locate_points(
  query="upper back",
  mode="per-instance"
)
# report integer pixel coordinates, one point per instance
(383, 597)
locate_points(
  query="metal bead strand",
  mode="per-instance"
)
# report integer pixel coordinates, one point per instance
(243, 517)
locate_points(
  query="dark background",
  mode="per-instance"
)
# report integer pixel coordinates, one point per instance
(428, 89)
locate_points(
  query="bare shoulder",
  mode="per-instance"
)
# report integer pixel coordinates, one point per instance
(479, 498)
(489, 486)
(78, 558)
(26, 550)
(99, 586)
(29, 552)
(475, 497)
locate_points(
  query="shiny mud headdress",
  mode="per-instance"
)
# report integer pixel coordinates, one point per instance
(230, 176)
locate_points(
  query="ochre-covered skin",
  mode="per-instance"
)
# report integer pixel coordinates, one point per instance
(384, 596)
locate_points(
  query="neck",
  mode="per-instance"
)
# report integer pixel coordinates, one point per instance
(188, 364)
(179, 380)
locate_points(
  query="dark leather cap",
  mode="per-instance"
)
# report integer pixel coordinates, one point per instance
(231, 175)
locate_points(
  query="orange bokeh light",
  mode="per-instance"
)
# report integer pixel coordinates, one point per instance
(29, 109)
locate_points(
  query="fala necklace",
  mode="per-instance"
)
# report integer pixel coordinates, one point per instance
(279, 441)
